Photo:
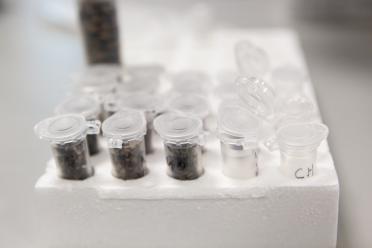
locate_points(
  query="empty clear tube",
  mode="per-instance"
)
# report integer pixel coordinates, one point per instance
(238, 131)
(298, 144)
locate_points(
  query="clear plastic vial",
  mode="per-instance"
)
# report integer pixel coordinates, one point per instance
(182, 137)
(125, 132)
(298, 144)
(89, 108)
(99, 26)
(67, 136)
(238, 131)
(142, 101)
(297, 109)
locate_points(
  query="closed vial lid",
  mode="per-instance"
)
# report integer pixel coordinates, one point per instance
(302, 135)
(235, 122)
(257, 96)
(62, 128)
(84, 105)
(126, 124)
(177, 127)
(190, 104)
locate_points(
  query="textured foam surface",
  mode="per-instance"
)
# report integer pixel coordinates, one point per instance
(270, 210)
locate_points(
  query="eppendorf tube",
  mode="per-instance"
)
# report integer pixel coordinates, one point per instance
(238, 131)
(297, 109)
(182, 137)
(67, 136)
(88, 107)
(298, 144)
(125, 132)
(148, 104)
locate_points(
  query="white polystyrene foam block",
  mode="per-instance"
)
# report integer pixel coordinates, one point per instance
(271, 210)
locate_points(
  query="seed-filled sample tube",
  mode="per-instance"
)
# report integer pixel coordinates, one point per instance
(67, 136)
(89, 108)
(148, 104)
(182, 143)
(238, 131)
(142, 101)
(298, 144)
(125, 132)
(98, 19)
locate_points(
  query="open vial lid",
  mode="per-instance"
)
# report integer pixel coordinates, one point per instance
(190, 81)
(126, 124)
(251, 60)
(302, 135)
(257, 96)
(176, 127)
(84, 105)
(62, 128)
(235, 122)
(190, 104)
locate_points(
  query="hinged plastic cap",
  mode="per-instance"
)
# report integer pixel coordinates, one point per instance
(237, 122)
(252, 61)
(257, 96)
(85, 105)
(302, 135)
(126, 124)
(190, 104)
(62, 128)
(176, 127)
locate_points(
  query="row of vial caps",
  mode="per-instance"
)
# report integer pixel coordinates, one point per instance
(276, 114)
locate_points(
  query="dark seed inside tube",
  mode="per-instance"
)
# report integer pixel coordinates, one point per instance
(72, 160)
(149, 148)
(129, 161)
(184, 160)
(100, 30)
(93, 144)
